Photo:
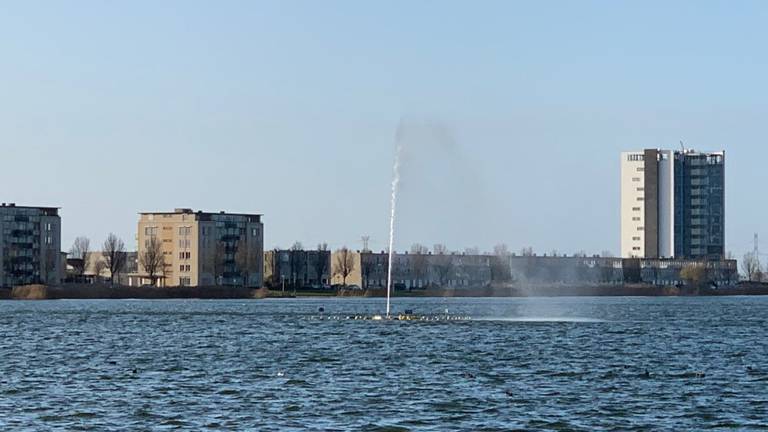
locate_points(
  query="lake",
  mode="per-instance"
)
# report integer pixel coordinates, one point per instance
(623, 363)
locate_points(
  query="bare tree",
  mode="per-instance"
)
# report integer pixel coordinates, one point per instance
(526, 251)
(321, 261)
(440, 249)
(750, 265)
(217, 261)
(472, 251)
(344, 264)
(152, 260)
(443, 263)
(98, 267)
(79, 251)
(606, 254)
(246, 259)
(272, 266)
(115, 257)
(298, 262)
(367, 265)
(419, 261)
(51, 256)
(501, 270)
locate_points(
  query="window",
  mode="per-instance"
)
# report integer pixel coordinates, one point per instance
(640, 189)
(636, 238)
(635, 179)
(636, 218)
(641, 198)
(641, 228)
(181, 268)
(635, 208)
(640, 169)
(636, 248)
(635, 157)
(255, 232)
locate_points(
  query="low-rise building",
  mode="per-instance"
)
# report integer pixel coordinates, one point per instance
(202, 248)
(97, 268)
(414, 271)
(30, 245)
(297, 268)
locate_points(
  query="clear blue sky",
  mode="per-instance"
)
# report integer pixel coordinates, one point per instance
(290, 109)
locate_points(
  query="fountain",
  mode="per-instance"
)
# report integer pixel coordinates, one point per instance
(393, 203)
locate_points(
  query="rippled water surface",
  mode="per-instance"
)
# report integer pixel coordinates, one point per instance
(528, 364)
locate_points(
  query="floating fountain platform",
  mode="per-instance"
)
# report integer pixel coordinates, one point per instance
(399, 317)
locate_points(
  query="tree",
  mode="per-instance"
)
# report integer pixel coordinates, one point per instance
(298, 262)
(115, 257)
(443, 263)
(246, 259)
(440, 249)
(695, 275)
(272, 267)
(321, 262)
(419, 262)
(750, 265)
(367, 265)
(500, 265)
(152, 260)
(526, 251)
(606, 254)
(344, 264)
(98, 268)
(217, 261)
(51, 276)
(79, 251)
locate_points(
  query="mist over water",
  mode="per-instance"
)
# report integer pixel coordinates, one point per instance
(443, 196)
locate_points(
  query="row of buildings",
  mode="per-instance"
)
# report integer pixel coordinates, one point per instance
(672, 217)
(299, 269)
(178, 248)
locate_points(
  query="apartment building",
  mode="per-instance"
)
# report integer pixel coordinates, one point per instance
(30, 245)
(673, 204)
(202, 248)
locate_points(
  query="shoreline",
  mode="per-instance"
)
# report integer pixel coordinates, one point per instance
(106, 292)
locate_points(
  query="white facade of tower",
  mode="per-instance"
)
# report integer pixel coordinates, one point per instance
(632, 204)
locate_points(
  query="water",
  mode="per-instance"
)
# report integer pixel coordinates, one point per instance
(567, 363)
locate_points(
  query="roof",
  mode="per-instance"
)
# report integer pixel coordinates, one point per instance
(47, 211)
(199, 212)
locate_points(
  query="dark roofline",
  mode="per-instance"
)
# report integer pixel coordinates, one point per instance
(12, 205)
(201, 213)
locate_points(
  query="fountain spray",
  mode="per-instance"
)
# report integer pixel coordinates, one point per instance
(395, 182)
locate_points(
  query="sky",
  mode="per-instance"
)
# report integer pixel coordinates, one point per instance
(511, 114)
